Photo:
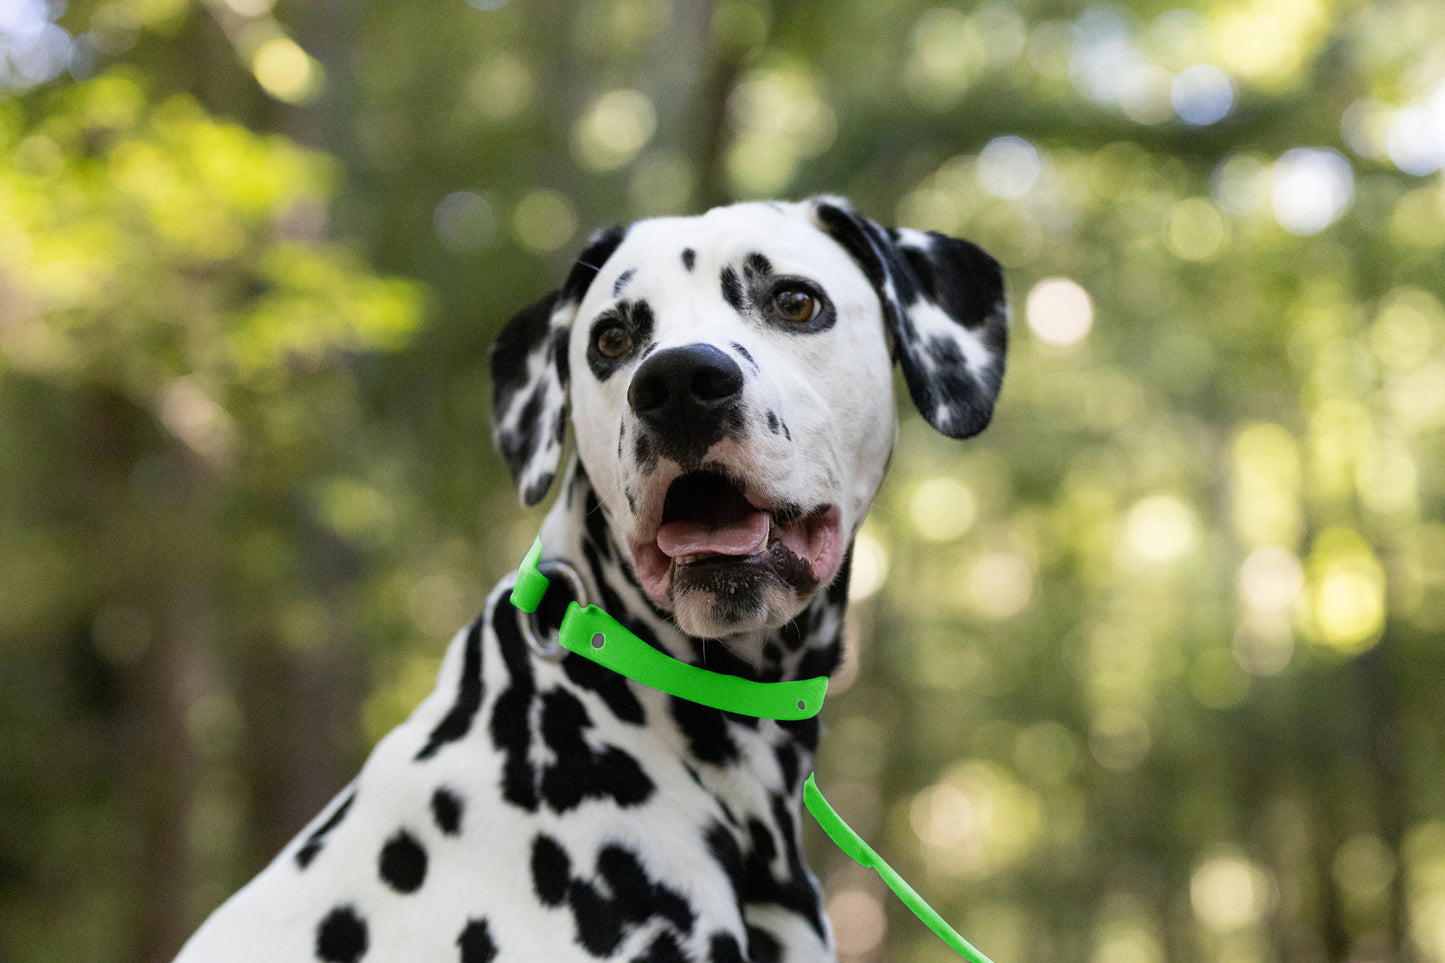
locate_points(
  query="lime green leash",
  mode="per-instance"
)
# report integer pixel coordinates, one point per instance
(593, 634)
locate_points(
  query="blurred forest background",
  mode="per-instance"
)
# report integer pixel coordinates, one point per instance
(1152, 670)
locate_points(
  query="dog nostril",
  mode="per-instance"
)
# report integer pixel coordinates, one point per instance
(646, 393)
(716, 383)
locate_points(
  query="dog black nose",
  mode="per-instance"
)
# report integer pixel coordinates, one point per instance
(684, 391)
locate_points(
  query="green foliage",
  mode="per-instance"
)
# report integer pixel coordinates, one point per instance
(1149, 671)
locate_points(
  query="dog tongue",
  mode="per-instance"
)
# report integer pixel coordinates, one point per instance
(741, 536)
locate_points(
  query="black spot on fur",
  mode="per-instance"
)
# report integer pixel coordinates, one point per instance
(732, 290)
(317, 839)
(538, 488)
(599, 925)
(595, 527)
(663, 949)
(446, 809)
(635, 895)
(642, 321)
(341, 936)
(723, 846)
(621, 897)
(794, 891)
(725, 949)
(403, 863)
(788, 762)
(773, 423)
(706, 730)
(644, 453)
(689, 258)
(581, 772)
(621, 282)
(511, 728)
(613, 687)
(745, 354)
(763, 947)
(458, 720)
(551, 870)
(822, 660)
(476, 943)
(757, 264)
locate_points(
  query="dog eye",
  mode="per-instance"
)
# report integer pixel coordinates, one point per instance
(613, 341)
(797, 304)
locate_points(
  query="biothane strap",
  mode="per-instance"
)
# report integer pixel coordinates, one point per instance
(593, 634)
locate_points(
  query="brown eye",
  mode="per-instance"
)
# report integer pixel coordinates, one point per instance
(613, 341)
(796, 304)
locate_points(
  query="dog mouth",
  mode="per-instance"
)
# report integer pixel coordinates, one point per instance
(710, 533)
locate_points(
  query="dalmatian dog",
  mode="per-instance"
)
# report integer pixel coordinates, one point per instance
(728, 380)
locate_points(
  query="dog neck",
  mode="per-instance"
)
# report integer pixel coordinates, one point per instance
(577, 530)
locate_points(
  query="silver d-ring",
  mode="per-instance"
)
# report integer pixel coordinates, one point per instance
(549, 648)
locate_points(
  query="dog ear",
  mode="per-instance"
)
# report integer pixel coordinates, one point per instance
(943, 301)
(530, 379)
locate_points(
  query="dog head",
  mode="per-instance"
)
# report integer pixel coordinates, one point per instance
(729, 381)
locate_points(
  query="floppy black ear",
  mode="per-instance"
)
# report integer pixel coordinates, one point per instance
(943, 301)
(530, 378)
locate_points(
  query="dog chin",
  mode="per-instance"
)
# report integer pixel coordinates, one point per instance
(717, 606)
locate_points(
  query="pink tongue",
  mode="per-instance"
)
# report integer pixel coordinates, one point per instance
(741, 537)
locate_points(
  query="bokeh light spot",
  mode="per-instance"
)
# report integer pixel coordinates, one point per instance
(1271, 578)
(1160, 528)
(502, 88)
(1229, 892)
(1195, 231)
(1000, 584)
(976, 820)
(464, 222)
(614, 129)
(1059, 311)
(544, 220)
(287, 72)
(1202, 95)
(1415, 140)
(1009, 167)
(1145, 94)
(942, 509)
(858, 921)
(1346, 587)
(1312, 188)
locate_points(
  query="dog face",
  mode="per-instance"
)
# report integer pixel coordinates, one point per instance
(729, 382)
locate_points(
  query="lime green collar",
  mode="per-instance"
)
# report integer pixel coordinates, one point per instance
(593, 634)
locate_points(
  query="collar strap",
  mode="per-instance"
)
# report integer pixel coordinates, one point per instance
(593, 634)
